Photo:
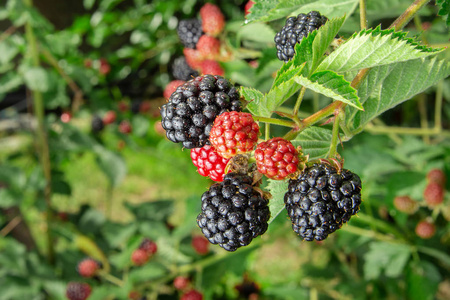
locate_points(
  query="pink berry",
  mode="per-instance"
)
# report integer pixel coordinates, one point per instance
(200, 244)
(88, 267)
(209, 162)
(139, 257)
(425, 229)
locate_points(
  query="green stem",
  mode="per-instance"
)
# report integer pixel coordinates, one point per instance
(335, 136)
(438, 107)
(441, 256)
(362, 14)
(316, 101)
(406, 130)
(44, 152)
(274, 121)
(423, 116)
(368, 233)
(409, 13)
(112, 279)
(109, 200)
(419, 27)
(363, 218)
(267, 131)
(299, 101)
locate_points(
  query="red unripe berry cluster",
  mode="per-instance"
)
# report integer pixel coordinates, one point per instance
(200, 244)
(276, 158)
(145, 251)
(192, 295)
(78, 291)
(234, 133)
(425, 229)
(209, 163)
(88, 267)
(405, 204)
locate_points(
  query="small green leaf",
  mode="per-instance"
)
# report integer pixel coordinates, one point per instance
(112, 164)
(36, 78)
(315, 142)
(331, 85)
(253, 96)
(387, 86)
(264, 33)
(375, 47)
(277, 96)
(277, 189)
(330, 8)
(391, 258)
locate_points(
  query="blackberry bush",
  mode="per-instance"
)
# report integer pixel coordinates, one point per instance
(321, 199)
(190, 113)
(233, 212)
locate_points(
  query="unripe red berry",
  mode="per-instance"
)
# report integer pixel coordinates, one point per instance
(276, 158)
(209, 162)
(109, 117)
(148, 246)
(125, 127)
(139, 257)
(200, 244)
(213, 21)
(104, 68)
(66, 117)
(234, 133)
(437, 176)
(171, 87)
(192, 295)
(88, 267)
(433, 194)
(425, 229)
(211, 67)
(405, 204)
(248, 6)
(181, 282)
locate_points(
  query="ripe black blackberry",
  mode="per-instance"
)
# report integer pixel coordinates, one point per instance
(190, 113)
(321, 199)
(181, 69)
(97, 124)
(189, 31)
(295, 29)
(135, 106)
(233, 212)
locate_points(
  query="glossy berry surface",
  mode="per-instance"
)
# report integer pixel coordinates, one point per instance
(78, 291)
(233, 212)
(234, 133)
(276, 158)
(321, 199)
(209, 163)
(295, 29)
(190, 113)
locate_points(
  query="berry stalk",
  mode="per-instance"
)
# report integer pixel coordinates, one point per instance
(44, 152)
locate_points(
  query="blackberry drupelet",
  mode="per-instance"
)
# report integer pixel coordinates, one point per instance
(190, 113)
(233, 212)
(97, 124)
(189, 31)
(295, 29)
(181, 70)
(321, 200)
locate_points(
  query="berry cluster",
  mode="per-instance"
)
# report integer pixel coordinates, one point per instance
(144, 252)
(202, 50)
(433, 198)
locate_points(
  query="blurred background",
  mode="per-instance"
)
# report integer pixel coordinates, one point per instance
(102, 69)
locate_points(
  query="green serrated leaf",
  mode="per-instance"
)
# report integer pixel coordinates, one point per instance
(444, 10)
(254, 97)
(288, 74)
(315, 142)
(331, 85)
(374, 47)
(277, 96)
(330, 8)
(277, 188)
(390, 85)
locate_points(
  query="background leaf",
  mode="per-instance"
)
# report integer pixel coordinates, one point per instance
(444, 10)
(112, 164)
(330, 8)
(277, 189)
(391, 258)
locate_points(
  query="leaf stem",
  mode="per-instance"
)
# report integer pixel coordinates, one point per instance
(362, 14)
(423, 116)
(409, 13)
(274, 121)
(111, 278)
(299, 101)
(267, 131)
(335, 135)
(406, 130)
(41, 132)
